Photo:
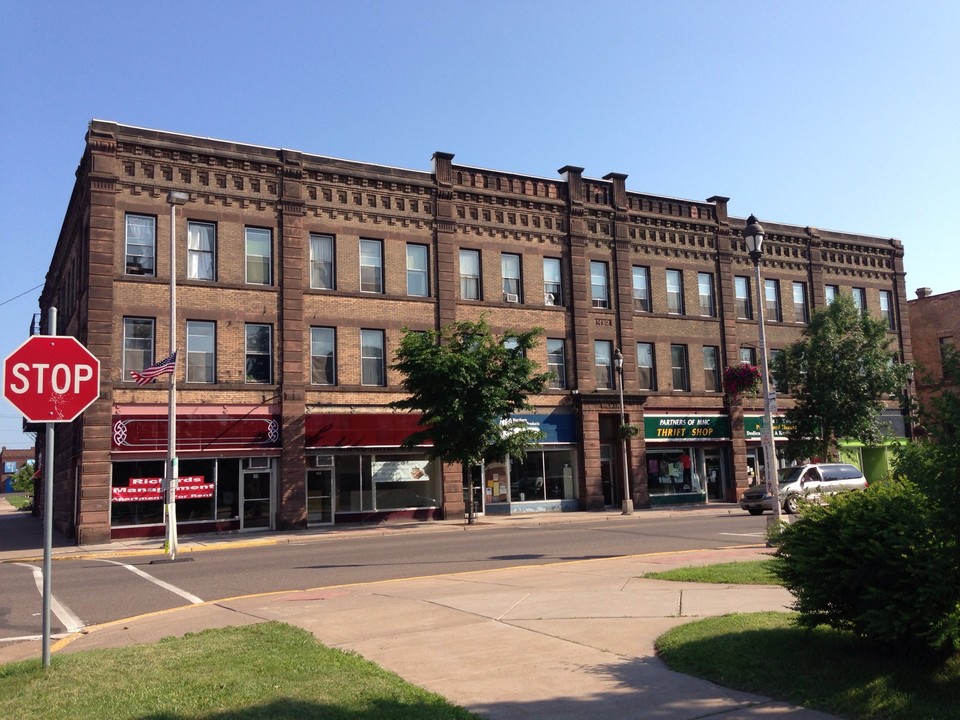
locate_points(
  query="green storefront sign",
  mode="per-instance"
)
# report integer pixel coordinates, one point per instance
(686, 427)
(753, 425)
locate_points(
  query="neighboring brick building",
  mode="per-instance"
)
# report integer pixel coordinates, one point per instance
(935, 326)
(11, 461)
(297, 274)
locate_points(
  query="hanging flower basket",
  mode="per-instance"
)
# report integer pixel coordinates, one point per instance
(741, 379)
(628, 431)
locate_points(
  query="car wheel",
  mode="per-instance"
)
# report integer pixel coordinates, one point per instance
(755, 511)
(790, 505)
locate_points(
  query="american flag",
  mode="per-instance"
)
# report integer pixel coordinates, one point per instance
(165, 367)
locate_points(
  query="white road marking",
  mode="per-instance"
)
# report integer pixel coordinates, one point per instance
(70, 622)
(190, 597)
(756, 534)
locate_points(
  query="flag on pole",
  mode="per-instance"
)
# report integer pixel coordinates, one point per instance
(167, 366)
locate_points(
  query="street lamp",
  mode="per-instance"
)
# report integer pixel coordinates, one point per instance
(627, 498)
(753, 236)
(171, 481)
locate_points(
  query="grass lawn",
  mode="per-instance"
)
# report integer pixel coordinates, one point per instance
(18, 500)
(828, 670)
(270, 671)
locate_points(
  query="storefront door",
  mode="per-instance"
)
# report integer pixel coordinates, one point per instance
(477, 473)
(320, 496)
(606, 475)
(255, 497)
(716, 478)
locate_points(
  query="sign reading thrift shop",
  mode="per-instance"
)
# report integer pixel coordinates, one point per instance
(686, 427)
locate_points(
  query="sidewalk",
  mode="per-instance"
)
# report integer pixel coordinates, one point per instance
(569, 640)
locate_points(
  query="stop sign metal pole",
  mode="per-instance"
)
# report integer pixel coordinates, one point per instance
(48, 514)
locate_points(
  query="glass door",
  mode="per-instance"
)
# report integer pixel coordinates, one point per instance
(320, 491)
(255, 489)
(606, 475)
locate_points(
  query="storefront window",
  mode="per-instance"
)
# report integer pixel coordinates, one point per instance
(391, 481)
(675, 471)
(541, 475)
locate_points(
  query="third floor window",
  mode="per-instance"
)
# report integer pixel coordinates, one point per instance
(259, 252)
(322, 269)
(371, 266)
(201, 250)
(641, 289)
(599, 289)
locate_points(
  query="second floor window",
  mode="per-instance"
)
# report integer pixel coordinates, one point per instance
(259, 248)
(372, 368)
(259, 354)
(510, 271)
(470, 274)
(141, 245)
(641, 289)
(371, 266)
(830, 293)
(418, 284)
(771, 289)
(748, 356)
(705, 290)
(800, 312)
(860, 299)
(323, 356)
(886, 308)
(679, 367)
(603, 363)
(646, 369)
(741, 290)
(552, 283)
(711, 369)
(322, 269)
(675, 292)
(201, 250)
(137, 345)
(599, 290)
(201, 351)
(556, 363)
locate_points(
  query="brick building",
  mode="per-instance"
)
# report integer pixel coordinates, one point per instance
(11, 461)
(296, 275)
(935, 324)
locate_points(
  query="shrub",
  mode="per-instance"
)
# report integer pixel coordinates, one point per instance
(878, 564)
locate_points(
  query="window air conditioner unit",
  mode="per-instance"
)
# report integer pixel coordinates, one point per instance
(548, 299)
(260, 463)
(599, 303)
(321, 461)
(511, 297)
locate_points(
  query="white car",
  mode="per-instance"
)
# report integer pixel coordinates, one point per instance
(804, 481)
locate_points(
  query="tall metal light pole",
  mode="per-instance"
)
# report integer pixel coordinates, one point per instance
(173, 473)
(627, 498)
(753, 236)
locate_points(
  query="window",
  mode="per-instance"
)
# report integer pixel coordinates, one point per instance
(322, 268)
(557, 363)
(372, 369)
(259, 248)
(675, 292)
(771, 289)
(141, 245)
(741, 291)
(886, 308)
(418, 284)
(678, 366)
(552, 283)
(711, 368)
(778, 384)
(137, 345)
(510, 271)
(201, 351)
(201, 250)
(641, 289)
(705, 290)
(947, 348)
(830, 293)
(323, 356)
(470, 274)
(603, 363)
(599, 291)
(646, 370)
(860, 299)
(748, 356)
(259, 354)
(371, 266)
(801, 313)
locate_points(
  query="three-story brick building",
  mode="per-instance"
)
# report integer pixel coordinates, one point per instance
(297, 274)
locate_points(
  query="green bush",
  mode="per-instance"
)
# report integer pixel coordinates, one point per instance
(877, 563)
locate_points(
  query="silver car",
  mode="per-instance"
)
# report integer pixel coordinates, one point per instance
(809, 482)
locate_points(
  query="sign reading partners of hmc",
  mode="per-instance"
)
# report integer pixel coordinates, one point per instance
(686, 427)
(51, 378)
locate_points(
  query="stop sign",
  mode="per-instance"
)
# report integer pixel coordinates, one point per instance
(51, 378)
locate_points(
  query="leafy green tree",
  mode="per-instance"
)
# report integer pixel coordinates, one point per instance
(839, 373)
(467, 384)
(23, 478)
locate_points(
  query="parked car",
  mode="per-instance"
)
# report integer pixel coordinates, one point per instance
(810, 482)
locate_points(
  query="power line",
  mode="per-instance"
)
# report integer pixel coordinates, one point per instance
(22, 294)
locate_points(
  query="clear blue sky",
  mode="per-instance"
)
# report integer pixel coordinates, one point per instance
(840, 115)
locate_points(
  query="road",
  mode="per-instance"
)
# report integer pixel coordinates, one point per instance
(97, 590)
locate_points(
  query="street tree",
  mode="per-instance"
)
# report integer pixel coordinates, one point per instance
(467, 384)
(839, 373)
(23, 478)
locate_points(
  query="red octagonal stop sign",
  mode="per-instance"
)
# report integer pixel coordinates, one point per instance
(51, 378)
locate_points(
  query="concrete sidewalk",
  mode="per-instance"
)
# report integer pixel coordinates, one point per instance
(569, 640)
